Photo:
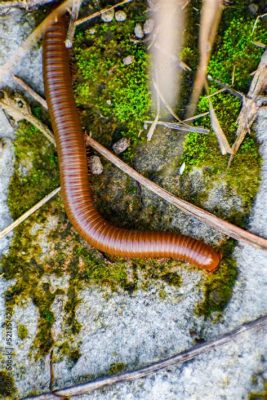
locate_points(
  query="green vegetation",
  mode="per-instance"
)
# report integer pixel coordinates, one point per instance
(219, 285)
(107, 91)
(36, 170)
(22, 331)
(7, 385)
(259, 396)
(116, 368)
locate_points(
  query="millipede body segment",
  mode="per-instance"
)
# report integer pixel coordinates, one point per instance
(75, 185)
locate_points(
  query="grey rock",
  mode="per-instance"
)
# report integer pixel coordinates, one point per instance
(120, 16)
(138, 31)
(253, 8)
(128, 60)
(107, 16)
(121, 145)
(148, 26)
(96, 166)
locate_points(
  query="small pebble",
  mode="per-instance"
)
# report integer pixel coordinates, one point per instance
(121, 145)
(96, 166)
(120, 16)
(128, 60)
(253, 8)
(148, 26)
(182, 168)
(107, 16)
(138, 31)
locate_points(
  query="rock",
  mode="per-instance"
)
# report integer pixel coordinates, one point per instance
(138, 31)
(253, 8)
(96, 166)
(120, 16)
(128, 60)
(121, 145)
(107, 16)
(148, 26)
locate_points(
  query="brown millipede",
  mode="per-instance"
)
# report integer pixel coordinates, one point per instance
(75, 186)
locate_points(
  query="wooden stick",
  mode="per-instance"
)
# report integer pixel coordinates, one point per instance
(33, 38)
(182, 357)
(99, 13)
(76, 4)
(30, 91)
(202, 215)
(24, 216)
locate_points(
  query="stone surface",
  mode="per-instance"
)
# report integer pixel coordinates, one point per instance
(120, 16)
(121, 145)
(95, 165)
(138, 31)
(107, 16)
(142, 327)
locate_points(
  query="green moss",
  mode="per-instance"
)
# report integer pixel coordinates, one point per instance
(36, 170)
(218, 286)
(116, 368)
(22, 331)
(259, 396)
(107, 91)
(7, 384)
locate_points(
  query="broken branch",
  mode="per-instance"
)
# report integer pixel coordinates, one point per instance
(182, 357)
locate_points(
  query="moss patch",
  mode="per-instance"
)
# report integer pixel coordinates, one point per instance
(22, 331)
(107, 91)
(36, 170)
(116, 368)
(7, 384)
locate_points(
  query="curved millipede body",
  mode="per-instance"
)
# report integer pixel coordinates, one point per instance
(75, 186)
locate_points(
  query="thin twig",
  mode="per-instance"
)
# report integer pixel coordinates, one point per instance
(31, 92)
(250, 107)
(202, 215)
(195, 117)
(180, 127)
(18, 109)
(216, 126)
(33, 38)
(24, 216)
(227, 88)
(76, 4)
(182, 357)
(99, 13)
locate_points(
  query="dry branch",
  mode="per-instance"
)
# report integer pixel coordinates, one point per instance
(99, 13)
(180, 127)
(30, 91)
(202, 215)
(18, 109)
(211, 13)
(24, 216)
(178, 358)
(250, 107)
(76, 4)
(33, 38)
(222, 139)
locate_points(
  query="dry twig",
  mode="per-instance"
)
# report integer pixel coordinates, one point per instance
(202, 215)
(99, 13)
(250, 107)
(216, 126)
(178, 358)
(211, 13)
(33, 38)
(180, 127)
(76, 4)
(28, 213)
(30, 91)
(18, 109)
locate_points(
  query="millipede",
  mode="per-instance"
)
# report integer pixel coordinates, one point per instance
(75, 184)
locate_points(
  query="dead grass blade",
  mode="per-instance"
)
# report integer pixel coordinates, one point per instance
(180, 127)
(30, 91)
(215, 123)
(28, 213)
